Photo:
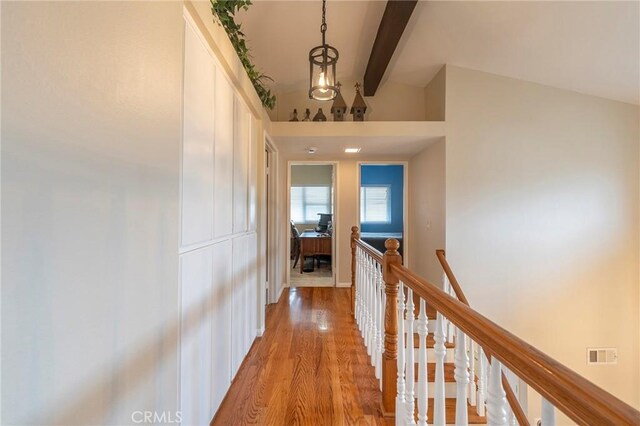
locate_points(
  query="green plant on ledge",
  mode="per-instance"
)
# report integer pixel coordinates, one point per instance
(224, 11)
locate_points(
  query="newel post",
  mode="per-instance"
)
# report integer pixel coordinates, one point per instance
(355, 235)
(389, 362)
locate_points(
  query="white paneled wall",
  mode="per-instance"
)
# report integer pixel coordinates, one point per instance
(218, 254)
(223, 169)
(197, 152)
(253, 172)
(196, 273)
(240, 165)
(221, 322)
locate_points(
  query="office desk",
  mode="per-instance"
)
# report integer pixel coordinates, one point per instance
(313, 243)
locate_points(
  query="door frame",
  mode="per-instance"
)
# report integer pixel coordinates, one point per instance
(271, 228)
(334, 201)
(405, 202)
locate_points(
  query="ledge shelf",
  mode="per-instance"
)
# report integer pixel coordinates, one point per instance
(302, 129)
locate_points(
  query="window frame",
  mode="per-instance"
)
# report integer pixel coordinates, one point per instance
(363, 204)
(306, 220)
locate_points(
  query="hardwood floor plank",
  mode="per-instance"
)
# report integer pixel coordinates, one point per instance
(309, 368)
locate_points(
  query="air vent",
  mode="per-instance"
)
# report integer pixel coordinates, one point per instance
(602, 356)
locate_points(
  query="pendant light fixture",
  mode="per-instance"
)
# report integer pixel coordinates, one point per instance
(322, 66)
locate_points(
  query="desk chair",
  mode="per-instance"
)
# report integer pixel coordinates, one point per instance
(295, 244)
(323, 223)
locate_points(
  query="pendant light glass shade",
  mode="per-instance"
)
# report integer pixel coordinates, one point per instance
(322, 73)
(322, 67)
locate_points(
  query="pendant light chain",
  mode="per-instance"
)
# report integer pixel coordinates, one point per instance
(323, 27)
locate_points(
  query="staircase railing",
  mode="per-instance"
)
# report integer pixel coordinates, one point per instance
(512, 399)
(483, 352)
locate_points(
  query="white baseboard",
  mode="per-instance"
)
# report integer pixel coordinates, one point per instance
(284, 285)
(344, 285)
(260, 332)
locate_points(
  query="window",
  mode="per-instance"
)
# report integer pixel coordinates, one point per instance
(308, 201)
(375, 204)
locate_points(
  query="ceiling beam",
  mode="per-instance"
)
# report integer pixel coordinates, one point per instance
(394, 20)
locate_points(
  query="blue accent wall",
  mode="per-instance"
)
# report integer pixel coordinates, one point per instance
(393, 175)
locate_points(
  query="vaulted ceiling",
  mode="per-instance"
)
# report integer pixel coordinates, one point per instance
(588, 47)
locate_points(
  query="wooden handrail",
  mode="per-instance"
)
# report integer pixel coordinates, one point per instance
(581, 400)
(452, 278)
(370, 250)
(521, 417)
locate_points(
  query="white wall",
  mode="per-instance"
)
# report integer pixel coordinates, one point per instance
(427, 220)
(224, 52)
(130, 264)
(311, 174)
(219, 283)
(91, 131)
(435, 96)
(542, 217)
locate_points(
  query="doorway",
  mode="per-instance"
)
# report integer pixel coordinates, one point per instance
(312, 217)
(383, 204)
(271, 227)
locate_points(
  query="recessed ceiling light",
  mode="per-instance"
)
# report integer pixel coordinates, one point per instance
(311, 150)
(351, 150)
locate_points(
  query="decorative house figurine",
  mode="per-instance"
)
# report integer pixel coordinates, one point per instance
(359, 107)
(339, 107)
(294, 117)
(320, 116)
(307, 115)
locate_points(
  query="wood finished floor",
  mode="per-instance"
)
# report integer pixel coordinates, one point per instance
(309, 368)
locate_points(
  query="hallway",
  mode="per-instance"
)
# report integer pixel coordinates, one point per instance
(309, 368)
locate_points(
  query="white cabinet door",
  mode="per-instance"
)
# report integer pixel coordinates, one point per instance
(221, 322)
(240, 166)
(253, 172)
(198, 139)
(196, 348)
(223, 190)
(239, 303)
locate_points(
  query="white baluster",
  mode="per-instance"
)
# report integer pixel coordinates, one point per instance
(367, 303)
(359, 288)
(450, 328)
(423, 379)
(383, 303)
(409, 395)
(482, 382)
(440, 351)
(379, 320)
(496, 397)
(461, 373)
(548, 413)
(375, 313)
(362, 291)
(372, 306)
(472, 373)
(400, 411)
